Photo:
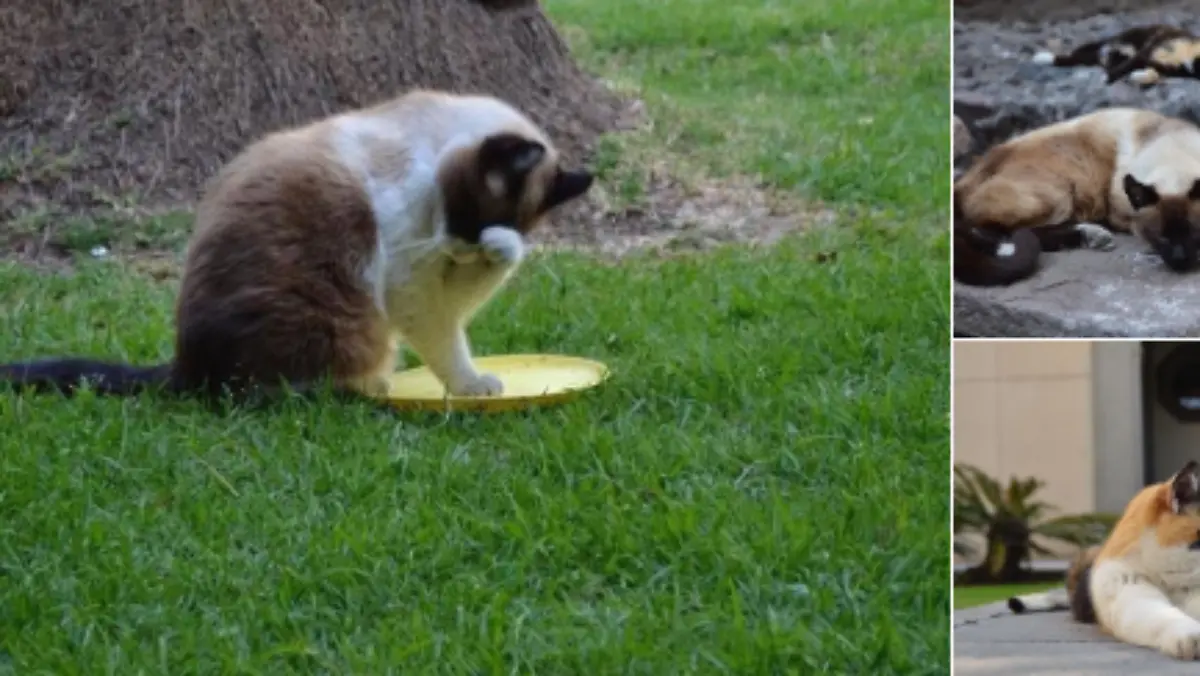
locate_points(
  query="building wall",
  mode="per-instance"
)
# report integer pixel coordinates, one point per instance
(1027, 409)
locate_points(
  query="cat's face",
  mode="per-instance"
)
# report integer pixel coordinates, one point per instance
(508, 179)
(1169, 222)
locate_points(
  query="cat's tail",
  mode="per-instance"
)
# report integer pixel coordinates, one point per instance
(1041, 602)
(67, 375)
(1075, 595)
(1089, 54)
(1048, 58)
(993, 259)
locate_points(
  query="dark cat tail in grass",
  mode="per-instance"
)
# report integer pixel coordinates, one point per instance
(65, 376)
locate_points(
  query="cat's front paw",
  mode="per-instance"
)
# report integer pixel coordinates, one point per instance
(1096, 236)
(502, 245)
(483, 385)
(1182, 643)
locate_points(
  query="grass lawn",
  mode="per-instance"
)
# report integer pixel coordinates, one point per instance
(761, 489)
(979, 595)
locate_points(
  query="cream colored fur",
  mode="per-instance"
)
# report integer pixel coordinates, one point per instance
(428, 285)
(1151, 598)
(1145, 582)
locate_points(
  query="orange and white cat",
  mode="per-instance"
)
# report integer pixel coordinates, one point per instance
(1143, 584)
(319, 249)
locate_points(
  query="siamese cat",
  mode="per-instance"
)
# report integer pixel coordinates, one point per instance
(1142, 585)
(1074, 182)
(1145, 54)
(318, 250)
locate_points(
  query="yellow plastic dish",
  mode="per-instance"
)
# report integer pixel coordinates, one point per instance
(529, 380)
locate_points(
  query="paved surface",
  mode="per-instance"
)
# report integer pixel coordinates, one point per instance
(1087, 294)
(991, 641)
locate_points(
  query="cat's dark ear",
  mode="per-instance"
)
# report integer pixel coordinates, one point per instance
(510, 154)
(1185, 487)
(566, 186)
(1140, 195)
(1194, 193)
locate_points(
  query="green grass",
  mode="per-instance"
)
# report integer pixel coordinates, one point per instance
(761, 488)
(846, 101)
(979, 595)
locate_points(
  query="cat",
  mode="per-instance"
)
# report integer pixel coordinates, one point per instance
(319, 249)
(1143, 584)
(1074, 182)
(1145, 54)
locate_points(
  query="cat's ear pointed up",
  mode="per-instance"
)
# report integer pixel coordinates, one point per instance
(1185, 487)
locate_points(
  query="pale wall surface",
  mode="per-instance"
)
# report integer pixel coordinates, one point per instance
(1026, 409)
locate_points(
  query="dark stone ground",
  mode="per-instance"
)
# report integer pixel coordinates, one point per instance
(998, 92)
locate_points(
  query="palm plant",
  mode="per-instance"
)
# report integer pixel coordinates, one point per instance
(1009, 518)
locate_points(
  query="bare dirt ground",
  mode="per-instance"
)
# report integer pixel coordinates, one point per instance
(676, 212)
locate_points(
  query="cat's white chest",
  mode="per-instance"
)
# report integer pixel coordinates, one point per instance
(400, 181)
(398, 174)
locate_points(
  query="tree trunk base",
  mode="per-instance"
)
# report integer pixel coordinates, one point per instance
(149, 98)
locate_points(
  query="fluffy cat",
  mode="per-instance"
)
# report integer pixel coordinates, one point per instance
(1143, 584)
(319, 249)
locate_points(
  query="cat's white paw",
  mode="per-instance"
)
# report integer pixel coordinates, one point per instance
(1182, 642)
(1043, 58)
(483, 385)
(501, 245)
(1144, 77)
(1096, 236)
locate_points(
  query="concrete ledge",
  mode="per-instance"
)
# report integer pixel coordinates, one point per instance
(1126, 293)
(991, 641)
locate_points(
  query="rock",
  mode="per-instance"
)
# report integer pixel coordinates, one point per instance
(1125, 293)
(1023, 95)
(963, 143)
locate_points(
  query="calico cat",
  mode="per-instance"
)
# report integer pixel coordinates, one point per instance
(320, 248)
(1143, 584)
(1145, 54)
(1070, 183)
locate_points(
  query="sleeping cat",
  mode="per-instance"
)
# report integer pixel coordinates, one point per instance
(1146, 54)
(1143, 584)
(319, 249)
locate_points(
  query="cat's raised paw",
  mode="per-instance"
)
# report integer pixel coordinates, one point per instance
(501, 245)
(484, 385)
